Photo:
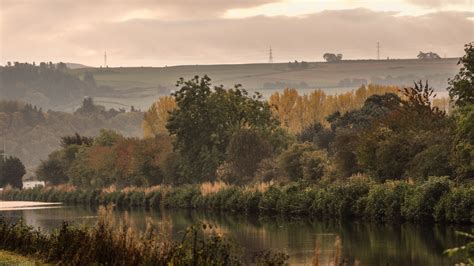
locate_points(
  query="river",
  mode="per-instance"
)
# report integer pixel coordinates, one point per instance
(368, 243)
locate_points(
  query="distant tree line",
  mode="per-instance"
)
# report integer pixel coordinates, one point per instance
(46, 84)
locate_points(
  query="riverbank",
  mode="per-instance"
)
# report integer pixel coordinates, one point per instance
(11, 258)
(108, 243)
(435, 200)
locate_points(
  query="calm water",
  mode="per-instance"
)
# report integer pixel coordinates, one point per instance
(370, 244)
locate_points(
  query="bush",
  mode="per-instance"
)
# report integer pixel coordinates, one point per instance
(421, 202)
(384, 201)
(456, 206)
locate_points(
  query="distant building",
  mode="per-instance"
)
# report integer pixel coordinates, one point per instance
(33, 184)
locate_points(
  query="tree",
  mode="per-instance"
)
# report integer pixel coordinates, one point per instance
(406, 138)
(89, 108)
(245, 151)
(463, 153)
(52, 172)
(107, 138)
(330, 57)
(12, 171)
(155, 119)
(315, 165)
(461, 87)
(61, 67)
(291, 160)
(428, 55)
(76, 139)
(205, 119)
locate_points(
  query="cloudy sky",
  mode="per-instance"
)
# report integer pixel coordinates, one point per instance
(174, 32)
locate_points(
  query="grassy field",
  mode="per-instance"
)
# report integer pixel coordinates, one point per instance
(139, 86)
(10, 258)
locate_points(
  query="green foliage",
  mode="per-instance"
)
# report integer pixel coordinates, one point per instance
(52, 171)
(76, 139)
(107, 138)
(342, 199)
(461, 87)
(463, 151)
(412, 139)
(320, 136)
(384, 201)
(467, 250)
(315, 164)
(205, 119)
(246, 149)
(421, 202)
(12, 171)
(430, 162)
(456, 205)
(436, 199)
(291, 160)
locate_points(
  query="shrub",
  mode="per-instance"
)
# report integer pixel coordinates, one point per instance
(456, 206)
(384, 201)
(421, 202)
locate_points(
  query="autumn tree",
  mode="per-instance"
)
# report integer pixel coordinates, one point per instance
(297, 112)
(155, 119)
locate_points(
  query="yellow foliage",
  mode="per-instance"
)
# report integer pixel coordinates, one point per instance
(296, 112)
(154, 120)
(444, 104)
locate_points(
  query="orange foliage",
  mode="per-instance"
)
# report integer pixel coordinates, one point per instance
(296, 112)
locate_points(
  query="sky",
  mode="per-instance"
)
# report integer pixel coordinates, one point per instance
(181, 32)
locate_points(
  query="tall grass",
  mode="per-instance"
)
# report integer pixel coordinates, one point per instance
(437, 199)
(108, 243)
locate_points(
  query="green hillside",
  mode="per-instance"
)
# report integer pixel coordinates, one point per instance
(139, 86)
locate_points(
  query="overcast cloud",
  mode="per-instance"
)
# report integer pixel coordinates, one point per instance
(169, 32)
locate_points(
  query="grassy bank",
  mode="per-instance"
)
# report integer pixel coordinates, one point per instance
(437, 199)
(11, 258)
(117, 244)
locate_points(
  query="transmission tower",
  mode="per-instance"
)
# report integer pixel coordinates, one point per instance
(270, 56)
(105, 59)
(378, 51)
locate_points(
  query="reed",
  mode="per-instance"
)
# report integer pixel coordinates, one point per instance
(111, 243)
(212, 187)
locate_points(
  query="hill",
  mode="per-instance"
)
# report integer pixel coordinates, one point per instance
(139, 86)
(76, 66)
(31, 134)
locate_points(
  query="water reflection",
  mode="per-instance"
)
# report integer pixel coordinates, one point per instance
(303, 239)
